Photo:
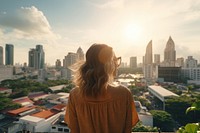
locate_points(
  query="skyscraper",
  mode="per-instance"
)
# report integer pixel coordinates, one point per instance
(36, 57)
(148, 55)
(80, 54)
(170, 53)
(157, 59)
(1, 55)
(39, 57)
(9, 54)
(58, 63)
(148, 63)
(133, 62)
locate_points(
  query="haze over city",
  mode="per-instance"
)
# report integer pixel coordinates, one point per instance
(62, 26)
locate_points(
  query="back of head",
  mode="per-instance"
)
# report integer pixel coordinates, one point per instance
(93, 76)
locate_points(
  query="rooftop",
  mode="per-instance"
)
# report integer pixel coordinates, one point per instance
(23, 100)
(31, 118)
(58, 87)
(3, 89)
(59, 107)
(45, 114)
(20, 110)
(161, 92)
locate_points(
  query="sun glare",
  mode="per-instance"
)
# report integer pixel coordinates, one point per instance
(132, 33)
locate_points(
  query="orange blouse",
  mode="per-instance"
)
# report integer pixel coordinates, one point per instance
(112, 113)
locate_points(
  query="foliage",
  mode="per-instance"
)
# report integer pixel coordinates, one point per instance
(191, 127)
(177, 106)
(6, 103)
(142, 128)
(163, 120)
(195, 106)
(24, 87)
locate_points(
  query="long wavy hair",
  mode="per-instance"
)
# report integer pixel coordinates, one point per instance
(97, 71)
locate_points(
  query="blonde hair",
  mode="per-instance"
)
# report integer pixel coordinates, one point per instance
(97, 71)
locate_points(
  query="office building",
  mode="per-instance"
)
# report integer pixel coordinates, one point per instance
(190, 62)
(37, 57)
(80, 54)
(148, 55)
(1, 55)
(147, 61)
(168, 74)
(58, 63)
(180, 62)
(157, 59)
(9, 54)
(133, 62)
(169, 53)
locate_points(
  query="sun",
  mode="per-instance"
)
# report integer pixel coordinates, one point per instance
(132, 33)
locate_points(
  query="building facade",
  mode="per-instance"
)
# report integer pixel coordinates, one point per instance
(58, 63)
(157, 59)
(37, 57)
(169, 53)
(133, 62)
(1, 55)
(9, 54)
(190, 62)
(180, 62)
(148, 63)
(168, 74)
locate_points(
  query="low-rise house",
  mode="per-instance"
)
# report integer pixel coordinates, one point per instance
(24, 101)
(41, 121)
(144, 116)
(22, 111)
(5, 90)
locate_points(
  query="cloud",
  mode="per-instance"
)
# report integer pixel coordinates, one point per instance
(27, 23)
(114, 4)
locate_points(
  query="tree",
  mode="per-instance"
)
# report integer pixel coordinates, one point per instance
(142, 128)
(163, 120)
(177, 106)
(191, 127)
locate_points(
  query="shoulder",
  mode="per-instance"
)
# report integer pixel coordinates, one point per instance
(121, 89)
(74, 92)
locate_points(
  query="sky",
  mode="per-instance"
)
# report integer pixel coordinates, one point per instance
(63, 26)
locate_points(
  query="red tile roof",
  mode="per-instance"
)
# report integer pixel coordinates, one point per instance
(45, 114)
(59, 107)
(36, 95)
(3, 89)
(22, 100)
(20, 110)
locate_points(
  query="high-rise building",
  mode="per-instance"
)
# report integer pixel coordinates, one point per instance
(36, 57)
(170, 53)
(133, 62)
(9, 54)
(58, 63)
(80, 54)
(190, 62)
(70, 59)
(1, 55)
(157, 59)
(31, 58)
(148, 55)
(148, 63)
(180, 62)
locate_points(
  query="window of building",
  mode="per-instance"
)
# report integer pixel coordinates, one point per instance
(53, 127)
(66, 130)
(60, 129)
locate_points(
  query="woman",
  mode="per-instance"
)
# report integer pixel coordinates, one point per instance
(95, 105)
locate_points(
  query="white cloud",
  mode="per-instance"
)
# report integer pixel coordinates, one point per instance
(27, 23)
(108, 4)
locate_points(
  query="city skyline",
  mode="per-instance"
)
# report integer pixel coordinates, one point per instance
(127, 26)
